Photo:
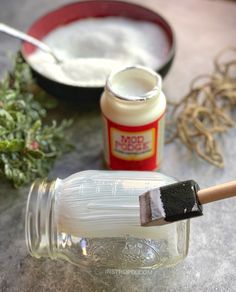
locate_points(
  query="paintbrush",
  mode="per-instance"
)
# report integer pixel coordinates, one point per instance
(179, 201)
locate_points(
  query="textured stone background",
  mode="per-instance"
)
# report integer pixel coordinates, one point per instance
(202, 29)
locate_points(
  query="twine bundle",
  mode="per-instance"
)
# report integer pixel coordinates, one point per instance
(207, 110)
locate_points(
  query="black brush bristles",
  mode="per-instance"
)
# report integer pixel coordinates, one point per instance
(180, 200)
(170, 203)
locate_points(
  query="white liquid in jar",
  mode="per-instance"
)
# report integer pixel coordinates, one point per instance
(104, 204)
(132, 84)
(132, 87)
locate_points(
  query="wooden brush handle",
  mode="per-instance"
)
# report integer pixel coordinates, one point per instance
(216, 193)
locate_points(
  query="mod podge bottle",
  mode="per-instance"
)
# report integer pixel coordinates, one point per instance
(133, 108)
(92, 218)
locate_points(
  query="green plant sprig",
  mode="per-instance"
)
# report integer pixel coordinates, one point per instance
(28, 148)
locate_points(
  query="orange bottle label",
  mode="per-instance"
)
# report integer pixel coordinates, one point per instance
(133, 147)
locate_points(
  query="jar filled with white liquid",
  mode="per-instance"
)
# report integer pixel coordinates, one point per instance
(133, 107)
(92, 218)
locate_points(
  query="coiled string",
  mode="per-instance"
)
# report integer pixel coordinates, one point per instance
(207, 110)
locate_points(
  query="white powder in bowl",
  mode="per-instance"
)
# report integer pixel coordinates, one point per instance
(91, 48)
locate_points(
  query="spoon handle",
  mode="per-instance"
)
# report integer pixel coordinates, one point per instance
(27, 38)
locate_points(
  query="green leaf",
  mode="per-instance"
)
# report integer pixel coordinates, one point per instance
(12, 145)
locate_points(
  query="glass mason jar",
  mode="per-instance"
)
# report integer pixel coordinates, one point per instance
(92, 218)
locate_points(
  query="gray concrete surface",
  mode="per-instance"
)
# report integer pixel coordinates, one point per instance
(202, 29)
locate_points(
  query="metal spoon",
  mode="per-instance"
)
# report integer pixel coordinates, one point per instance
(27, 38)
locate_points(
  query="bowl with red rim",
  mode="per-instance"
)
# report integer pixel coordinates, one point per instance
(93, 9)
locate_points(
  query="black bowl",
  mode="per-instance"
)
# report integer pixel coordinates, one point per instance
(85, 9)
